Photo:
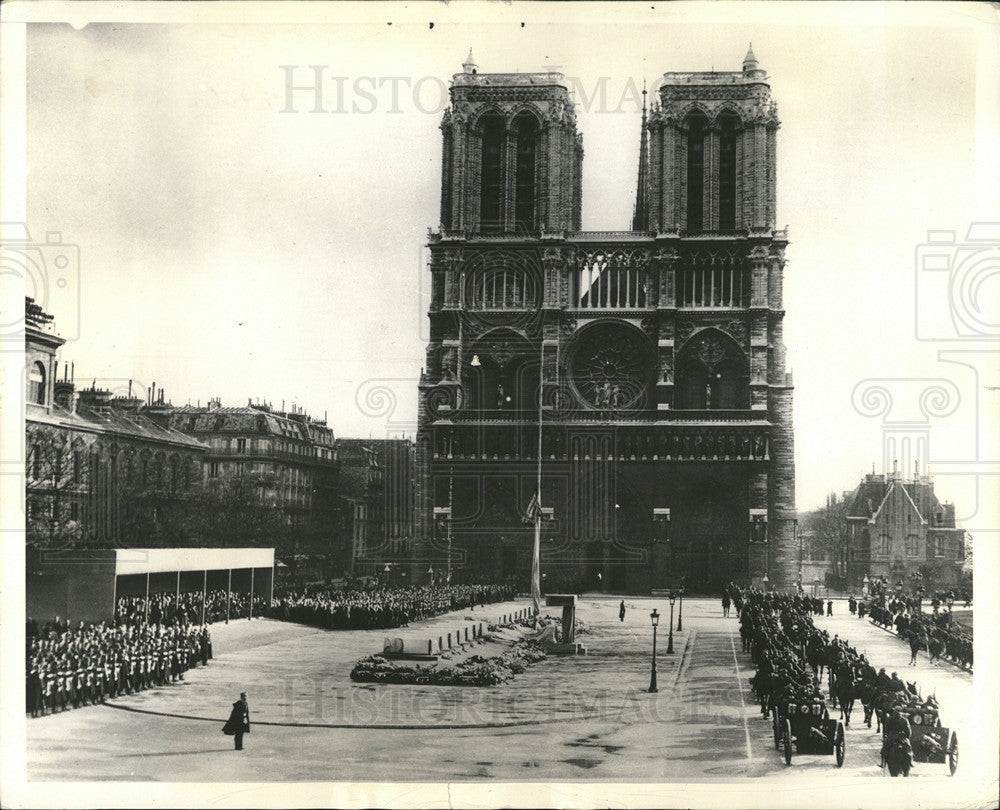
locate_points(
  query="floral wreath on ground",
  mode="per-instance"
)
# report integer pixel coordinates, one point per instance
(474, 671)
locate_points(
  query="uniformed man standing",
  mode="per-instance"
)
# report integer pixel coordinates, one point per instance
(238, 723)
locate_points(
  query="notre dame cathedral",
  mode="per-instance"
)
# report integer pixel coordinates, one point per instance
(645, 367)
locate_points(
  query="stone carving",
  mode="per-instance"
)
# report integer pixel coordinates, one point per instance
(501, 356)
(711, 351)
(735, 328)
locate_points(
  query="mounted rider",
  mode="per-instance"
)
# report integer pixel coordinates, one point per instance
(897, 731)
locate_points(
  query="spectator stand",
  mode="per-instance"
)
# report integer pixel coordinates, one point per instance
(86, 584)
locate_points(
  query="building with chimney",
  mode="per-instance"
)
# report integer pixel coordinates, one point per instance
(98, 471)
(288, 458)
(640, 374)
(898, 529)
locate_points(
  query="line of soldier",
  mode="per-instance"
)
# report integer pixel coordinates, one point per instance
(67, 668)
(778, 631)
(934, 632)
(382, 608)
(772, 632)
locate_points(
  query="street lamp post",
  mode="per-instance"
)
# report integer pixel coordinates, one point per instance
(655, 619)
(798, 542)
(430, 574)
(766, 580)
(670, 635)
(680, 611)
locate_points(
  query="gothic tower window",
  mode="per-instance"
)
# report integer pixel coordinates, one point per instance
(526, 133)
(504, 285)
(713, 280)
(728, 126)
(610, 280)
(712, 374)
(697, 127)
(506, 377)
(490, 210)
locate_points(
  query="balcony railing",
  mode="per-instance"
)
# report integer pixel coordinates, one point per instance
(619, 442)
(530, 415)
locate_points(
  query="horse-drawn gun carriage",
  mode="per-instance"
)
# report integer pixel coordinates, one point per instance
(929, 740)
(806, 724)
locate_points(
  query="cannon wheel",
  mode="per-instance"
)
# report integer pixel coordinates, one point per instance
(788, 742)
(839, 744)
(953, 753)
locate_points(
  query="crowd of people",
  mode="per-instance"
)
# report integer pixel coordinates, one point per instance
(186, 607)
(790, 653)
(155, 641)
(337, 608)
(72, 666)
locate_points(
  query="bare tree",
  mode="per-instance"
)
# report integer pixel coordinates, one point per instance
(831, 532)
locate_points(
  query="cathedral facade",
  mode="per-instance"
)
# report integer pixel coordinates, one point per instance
(639, 375)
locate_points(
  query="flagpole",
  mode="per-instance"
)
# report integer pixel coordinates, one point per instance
(536, 587)
(451, 506)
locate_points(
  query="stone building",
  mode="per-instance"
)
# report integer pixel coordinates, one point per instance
(98, 471)
(647, 364)
(290, 459)
(899, 529)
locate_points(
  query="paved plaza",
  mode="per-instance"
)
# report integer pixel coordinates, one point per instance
(576, 719)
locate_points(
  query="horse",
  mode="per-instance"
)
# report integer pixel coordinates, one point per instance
(882, 705)
(817, 658)
(868, 691)
(935, 648)
(845, 690)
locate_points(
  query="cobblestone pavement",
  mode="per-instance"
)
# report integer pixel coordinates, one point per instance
(586, 718)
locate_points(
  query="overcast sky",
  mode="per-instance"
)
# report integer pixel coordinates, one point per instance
(230, 249)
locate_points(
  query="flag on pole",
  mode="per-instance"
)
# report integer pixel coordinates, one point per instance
(534, 511)
(536, 585)
(534, 515)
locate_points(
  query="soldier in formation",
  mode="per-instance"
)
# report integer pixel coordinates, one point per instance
(88, 664)
(777, 630)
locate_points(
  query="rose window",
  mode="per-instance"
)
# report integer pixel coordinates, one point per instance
(611, 367)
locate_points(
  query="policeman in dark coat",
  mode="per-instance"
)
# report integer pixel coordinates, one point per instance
(621, 611)
(238, 723)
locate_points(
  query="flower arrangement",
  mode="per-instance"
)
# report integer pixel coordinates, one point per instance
(474, 671)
